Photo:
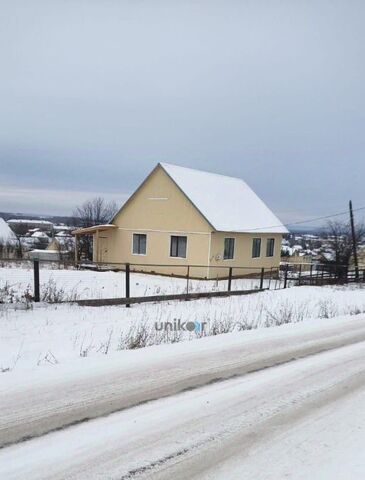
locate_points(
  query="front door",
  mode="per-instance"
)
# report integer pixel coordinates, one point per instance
(103, 249)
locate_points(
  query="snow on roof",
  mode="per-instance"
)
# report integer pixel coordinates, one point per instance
(39, 235)
(6, 233)
(64, 240)
(24, 220)
(62, 227)
(227, 203)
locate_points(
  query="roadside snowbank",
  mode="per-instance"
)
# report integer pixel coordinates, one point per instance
(53, 334)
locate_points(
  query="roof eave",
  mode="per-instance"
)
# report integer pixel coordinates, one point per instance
(282, 231)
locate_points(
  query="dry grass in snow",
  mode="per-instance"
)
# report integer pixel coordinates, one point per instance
(48, 335)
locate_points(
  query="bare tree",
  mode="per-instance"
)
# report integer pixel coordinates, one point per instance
(96, 211)
(339, 241)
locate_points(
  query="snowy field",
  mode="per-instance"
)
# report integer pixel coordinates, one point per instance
(59, 284)
(53, 334)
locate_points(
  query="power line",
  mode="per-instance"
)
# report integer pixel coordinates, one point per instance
(307, 221)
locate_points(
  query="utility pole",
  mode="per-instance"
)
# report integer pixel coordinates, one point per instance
(354, 245)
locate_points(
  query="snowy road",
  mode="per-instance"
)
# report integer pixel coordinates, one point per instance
(299, 420)
(45, 401)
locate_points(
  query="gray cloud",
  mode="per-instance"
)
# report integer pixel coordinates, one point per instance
(33, 200)
(94, 93)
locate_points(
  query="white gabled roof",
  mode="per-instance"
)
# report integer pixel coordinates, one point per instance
(227, 203)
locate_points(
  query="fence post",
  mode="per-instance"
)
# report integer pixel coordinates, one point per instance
(262, 278)
(127, 282)
(76, 252)
(270, 278)
(286, 275)
(317, 275)
(187, 279)
(300, 275)
(229, 279)
(36, 280)
(311, 274)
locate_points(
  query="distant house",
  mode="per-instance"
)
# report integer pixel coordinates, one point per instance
(6, 233)
(179, 217)
(62, 243)
(8, 240)
(21, 225)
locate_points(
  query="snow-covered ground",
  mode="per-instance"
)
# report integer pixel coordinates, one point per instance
(72, 284)
(245, 401)
(39, 401)
(52, 334)
(298, 420)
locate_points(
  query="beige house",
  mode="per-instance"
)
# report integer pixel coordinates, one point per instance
(180, 217)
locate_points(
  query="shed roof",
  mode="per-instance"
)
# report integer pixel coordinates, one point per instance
(227, 203)
(93, 229)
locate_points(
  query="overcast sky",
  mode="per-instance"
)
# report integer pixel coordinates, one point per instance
(94, 93)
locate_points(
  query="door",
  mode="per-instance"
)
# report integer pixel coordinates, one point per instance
(103, 249)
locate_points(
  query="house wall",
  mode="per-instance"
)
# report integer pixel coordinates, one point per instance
(242, 254)
(160, 205)
(159, 209)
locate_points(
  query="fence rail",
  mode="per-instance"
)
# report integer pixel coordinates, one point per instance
(127, 301)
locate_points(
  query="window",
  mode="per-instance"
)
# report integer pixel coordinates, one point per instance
(256, 247)
(228, 248)
(270, 245)
(139, 243)
(178, 246)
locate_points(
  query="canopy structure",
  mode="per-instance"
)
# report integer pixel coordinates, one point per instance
(96, 229)
(93, 229)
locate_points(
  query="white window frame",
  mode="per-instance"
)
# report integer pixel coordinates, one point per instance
(139, 254)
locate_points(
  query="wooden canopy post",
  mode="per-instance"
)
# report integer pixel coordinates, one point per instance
(96, 254)
(76, 249)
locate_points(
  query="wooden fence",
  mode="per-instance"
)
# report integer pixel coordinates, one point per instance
(288, 275)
